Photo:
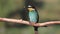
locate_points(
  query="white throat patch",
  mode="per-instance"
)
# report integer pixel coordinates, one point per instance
(29, 6)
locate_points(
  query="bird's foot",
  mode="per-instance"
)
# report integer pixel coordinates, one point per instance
(32, 23)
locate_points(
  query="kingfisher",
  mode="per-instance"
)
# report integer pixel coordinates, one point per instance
(33, 16)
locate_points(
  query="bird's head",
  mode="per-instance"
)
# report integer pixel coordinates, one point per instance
(30, 8)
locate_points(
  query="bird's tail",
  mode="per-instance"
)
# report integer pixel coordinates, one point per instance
(36, 30)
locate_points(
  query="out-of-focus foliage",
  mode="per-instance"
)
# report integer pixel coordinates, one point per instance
(50, 11)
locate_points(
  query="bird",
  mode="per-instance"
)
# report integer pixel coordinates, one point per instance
(33, 16)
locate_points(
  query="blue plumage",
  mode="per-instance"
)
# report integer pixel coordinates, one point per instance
(33, 16)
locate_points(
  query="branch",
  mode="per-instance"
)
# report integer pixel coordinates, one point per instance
(27, 22)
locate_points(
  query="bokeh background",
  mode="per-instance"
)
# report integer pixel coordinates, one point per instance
(49, 10)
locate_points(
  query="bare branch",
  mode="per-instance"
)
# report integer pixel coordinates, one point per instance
(14, 20)
(27, 22)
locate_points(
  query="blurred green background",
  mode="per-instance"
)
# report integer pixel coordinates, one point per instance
(48, 10)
